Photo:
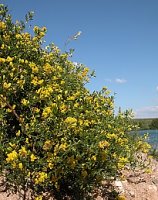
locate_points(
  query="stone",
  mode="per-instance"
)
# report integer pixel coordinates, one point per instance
(99, 198)
(118, 184)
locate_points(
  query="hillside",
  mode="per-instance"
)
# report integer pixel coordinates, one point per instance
(147, 123)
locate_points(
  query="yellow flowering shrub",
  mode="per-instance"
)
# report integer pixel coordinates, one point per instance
(55, 135)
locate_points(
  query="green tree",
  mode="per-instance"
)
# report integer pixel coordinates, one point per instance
(154, 124)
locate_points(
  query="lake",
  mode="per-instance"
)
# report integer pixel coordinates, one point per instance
(153, 137)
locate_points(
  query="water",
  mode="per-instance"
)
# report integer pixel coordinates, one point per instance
(153, 137)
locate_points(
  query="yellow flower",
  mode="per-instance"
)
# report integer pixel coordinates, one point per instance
(26, 61)
(6, 85)
(23, 151)
(44, 29)
(71, 98)
(24, 102)
(33, 157)
(94, 158)
(47, 68)
(12, 145)
(18, 36)
(86, 123)
(12, 156)
(121, 197)
(85, 71)
(20, 166)
(38, 197)
(50, 165)
(2, 103)
(122, 162)
(18, 133)
(122, 141)
(33, 67)
(41, 34)
(26, 35)
(9, 59)
(62, 82)
(145, 147)
(6, 38)
(35, 81)
(63, 108)
(21, 60)
(63, 146)
(76, 105)
(21, 83)
(27, 140)
(103, 144)
(36, 110)
(29, 174)
(47, 145)
(59, 68)
(41, 177)
(9, 110)
(46, 112)
(80, 121)
(112, 136)
(148, 170)
(2, 46)
(71, 121)
(36, 28)
(2, 60)
(44, 92)
(2, 25)
(14, 165)
(40, 81)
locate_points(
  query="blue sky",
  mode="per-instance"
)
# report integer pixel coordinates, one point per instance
(119, 41)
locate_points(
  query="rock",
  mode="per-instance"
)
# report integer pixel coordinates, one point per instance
(119, 186)
(99, 198)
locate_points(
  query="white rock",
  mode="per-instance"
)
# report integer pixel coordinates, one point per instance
(118, 184)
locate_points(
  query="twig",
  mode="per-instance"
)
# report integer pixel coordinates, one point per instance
(13, 111)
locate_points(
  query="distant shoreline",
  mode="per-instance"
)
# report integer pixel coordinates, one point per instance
(146, 123)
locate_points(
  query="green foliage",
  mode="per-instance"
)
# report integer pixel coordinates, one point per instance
(144, 124)
(147, 124)
(154, 153)
(55, 136)
(154, 124)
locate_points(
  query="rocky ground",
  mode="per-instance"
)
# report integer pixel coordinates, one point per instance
(134, 185)
(140, 185)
